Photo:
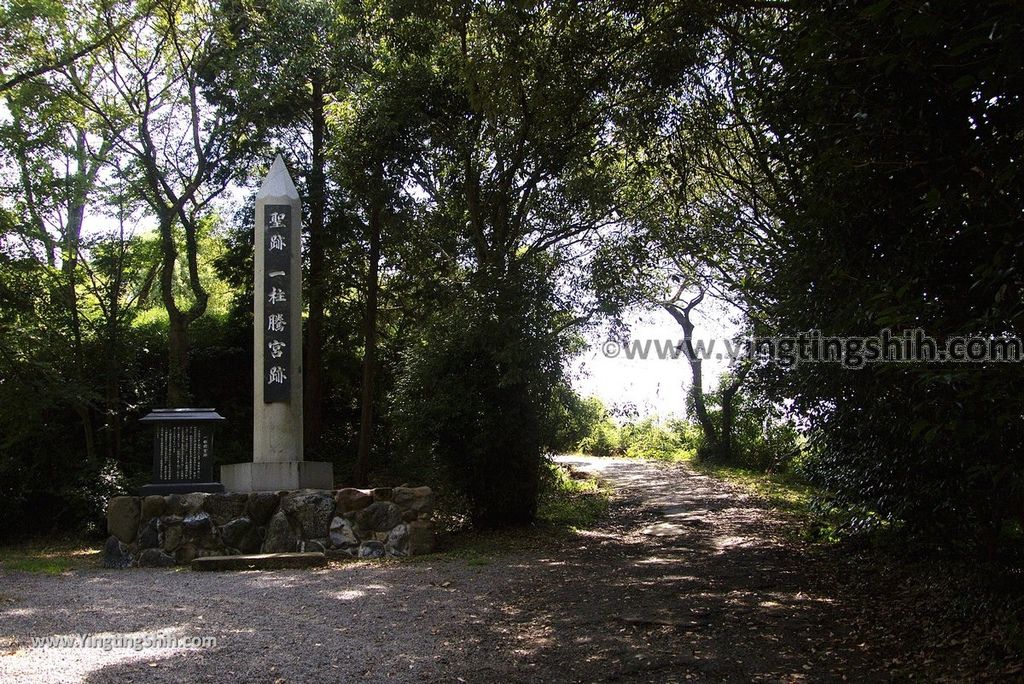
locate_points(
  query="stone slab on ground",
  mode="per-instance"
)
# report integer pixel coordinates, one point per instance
(261, 561)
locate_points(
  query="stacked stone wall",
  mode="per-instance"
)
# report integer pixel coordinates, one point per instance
(174, 529)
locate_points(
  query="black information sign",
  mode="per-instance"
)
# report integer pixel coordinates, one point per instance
(182, 446)
(277, 249)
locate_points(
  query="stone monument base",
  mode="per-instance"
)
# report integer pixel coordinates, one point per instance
(175, 529)
(275, 476)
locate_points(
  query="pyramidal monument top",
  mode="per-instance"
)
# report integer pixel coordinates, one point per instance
(278, 182)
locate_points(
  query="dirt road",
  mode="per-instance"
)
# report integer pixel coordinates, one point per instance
(687, 580)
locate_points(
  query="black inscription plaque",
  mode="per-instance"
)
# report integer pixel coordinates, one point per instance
(277, 251)
(182, 451)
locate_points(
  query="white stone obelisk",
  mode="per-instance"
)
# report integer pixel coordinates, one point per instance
(277, 348)
(277, 426)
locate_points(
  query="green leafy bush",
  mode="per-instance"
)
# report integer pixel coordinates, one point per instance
(648, 438)
(475, 395)
(572, 419)
(763, 440)
(652, 440)
(570, 501)
(603, 440)
(938, 247)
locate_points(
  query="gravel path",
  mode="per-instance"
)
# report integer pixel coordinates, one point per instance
(687, 580)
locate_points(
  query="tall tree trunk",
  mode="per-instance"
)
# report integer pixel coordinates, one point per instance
(313, 381)
(112, 362)
(370, 348)
(729, 411)
(719, 440)
(70, 273)
(112, 399)
(177, 361)
(682, 316)
(80, 182)
(177, 322)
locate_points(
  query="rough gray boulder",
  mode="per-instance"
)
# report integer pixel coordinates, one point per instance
(155, 558)
(313, 546)
(225, 507)
(312, 510)
(261, 506)
(185, 553)
(342, 534)
(153, 506)
(397, 543)
(123, 518)
(197, 524)
(417, 500)
(116, 554)
(421, 537)
(378, 517)
(242, 534)
(281, 537)
(349, 500)
(199, 531)
(171, 532)
(371, 549)
(174, 504)
(193, 502)
(149, 535)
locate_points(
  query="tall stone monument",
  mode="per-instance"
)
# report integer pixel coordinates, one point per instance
(277, 360)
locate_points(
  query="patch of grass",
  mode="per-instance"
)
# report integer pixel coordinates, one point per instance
(570, 502)
(785, 492)
(781, 490)
(475, 558)
(566, 504)
(46, 566)
(480, 548)
(50, 558)
(674, 455)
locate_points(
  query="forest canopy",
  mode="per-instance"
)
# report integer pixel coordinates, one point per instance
(486, 184)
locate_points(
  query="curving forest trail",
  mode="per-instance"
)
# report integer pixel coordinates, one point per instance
(688, 579)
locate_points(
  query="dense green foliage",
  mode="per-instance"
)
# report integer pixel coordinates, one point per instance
(763, 440)
(485, 183)
(475, 394)
(903, 210)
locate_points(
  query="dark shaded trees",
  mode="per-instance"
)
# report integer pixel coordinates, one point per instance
(485, 178)
(379, 125)
(281, 66)
(532, 110)
(877, 164)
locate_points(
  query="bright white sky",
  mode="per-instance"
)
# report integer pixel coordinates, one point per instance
(652, 386)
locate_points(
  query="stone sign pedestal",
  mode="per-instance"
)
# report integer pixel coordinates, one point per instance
(277, 353)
